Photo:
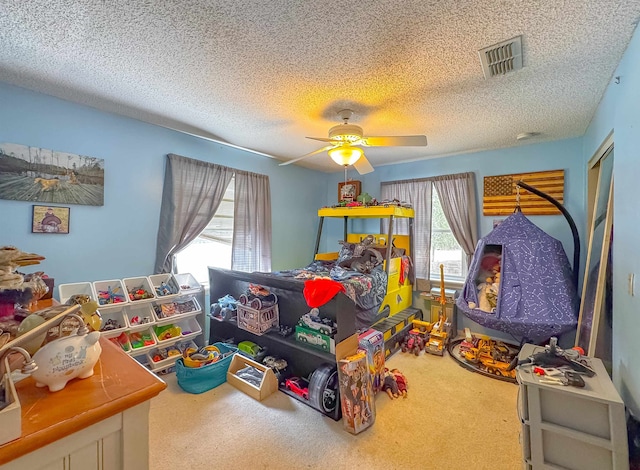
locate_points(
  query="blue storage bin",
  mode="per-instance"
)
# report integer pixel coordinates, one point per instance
(201, 379)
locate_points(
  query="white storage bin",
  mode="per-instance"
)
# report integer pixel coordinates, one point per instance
(185, 306)
(141, 341)
(122, 340)
(115, 320)
(154, 357)
(157, 281)
(132, 284)
(139, 316)
(165, 335)
(165, 312)
(190, 328)
(111, 292)
(187, 283)
(65, 291)
(186, 344)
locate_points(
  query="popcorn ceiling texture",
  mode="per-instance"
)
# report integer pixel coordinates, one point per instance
(263, 75)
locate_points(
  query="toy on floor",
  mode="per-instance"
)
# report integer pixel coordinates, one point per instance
(401, 381)
(489, 355)
(390, 385)
(414, 341)
(395, 383)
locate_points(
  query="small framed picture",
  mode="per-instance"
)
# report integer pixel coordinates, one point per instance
(348, 191)
(50, 219)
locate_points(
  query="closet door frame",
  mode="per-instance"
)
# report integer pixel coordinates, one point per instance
(595, 187)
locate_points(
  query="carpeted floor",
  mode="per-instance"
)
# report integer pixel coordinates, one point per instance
(451, 419)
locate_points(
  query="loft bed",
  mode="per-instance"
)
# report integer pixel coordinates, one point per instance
(383, 284)
(373, 269)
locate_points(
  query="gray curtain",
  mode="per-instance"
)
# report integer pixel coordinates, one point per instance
(458, 199)
(251, 223)
(192, 192)
(418, 193)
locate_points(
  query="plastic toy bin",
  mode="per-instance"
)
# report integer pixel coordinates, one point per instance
(168, 312)
(202, 379)
(108, 291)
(258, 321)
(65, 291)
(134, 284)
(187, 283)
(115, 320)
(157, 280)
(139, 316)
(141, 340)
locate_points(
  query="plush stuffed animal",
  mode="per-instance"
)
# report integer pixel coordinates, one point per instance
(484, 292)
(401, 380)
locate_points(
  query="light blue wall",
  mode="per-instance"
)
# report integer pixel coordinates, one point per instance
(118, 239)
(620, 111)
(564, 154)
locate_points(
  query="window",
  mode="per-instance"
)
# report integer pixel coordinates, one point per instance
(213, 246)
(444, 247)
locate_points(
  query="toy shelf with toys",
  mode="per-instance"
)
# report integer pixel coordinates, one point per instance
(149, 317)
(303, 359)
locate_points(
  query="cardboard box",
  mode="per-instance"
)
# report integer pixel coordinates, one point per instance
(372, 343)
(315, 339)
(268, 385)
(356, 394)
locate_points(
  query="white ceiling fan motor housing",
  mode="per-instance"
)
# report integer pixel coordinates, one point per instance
(346, 133)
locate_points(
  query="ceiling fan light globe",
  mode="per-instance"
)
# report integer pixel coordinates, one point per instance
(345, 155)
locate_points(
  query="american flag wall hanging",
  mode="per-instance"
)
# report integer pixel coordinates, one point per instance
(499, 196)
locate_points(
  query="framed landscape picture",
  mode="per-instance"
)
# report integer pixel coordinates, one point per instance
(49, 176)
(50, 219)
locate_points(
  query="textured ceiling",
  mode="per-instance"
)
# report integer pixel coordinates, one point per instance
(262, 75)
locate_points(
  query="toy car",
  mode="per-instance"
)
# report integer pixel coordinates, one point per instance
(252, 350)
(312, 320)
(311, 338)
(274, 362)
(298, 385)
(414, 342)
(278, 366)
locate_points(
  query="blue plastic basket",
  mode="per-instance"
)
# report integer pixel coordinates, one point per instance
(201, 379)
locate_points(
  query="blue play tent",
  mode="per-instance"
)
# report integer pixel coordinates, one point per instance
(536, 295)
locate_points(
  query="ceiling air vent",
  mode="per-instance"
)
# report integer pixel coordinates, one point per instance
(501, 58)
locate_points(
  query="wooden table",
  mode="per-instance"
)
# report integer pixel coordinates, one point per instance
(101, 422)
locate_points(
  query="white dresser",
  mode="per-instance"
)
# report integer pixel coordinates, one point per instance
(565, 427)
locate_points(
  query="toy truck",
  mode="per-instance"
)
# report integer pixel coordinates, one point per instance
(492, 356)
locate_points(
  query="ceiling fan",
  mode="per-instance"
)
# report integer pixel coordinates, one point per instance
(345, 140)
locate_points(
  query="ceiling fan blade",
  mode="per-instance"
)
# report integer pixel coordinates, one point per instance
(323, 149)
(363, 166)
(395, 141)
(324, 139)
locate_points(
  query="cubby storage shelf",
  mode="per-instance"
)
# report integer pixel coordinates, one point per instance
(272, 336)
(125, 312)
(302, 359)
